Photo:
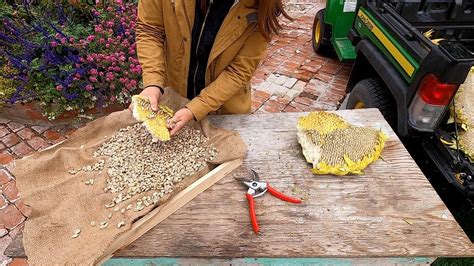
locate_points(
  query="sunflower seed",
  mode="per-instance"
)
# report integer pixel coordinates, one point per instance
(76, 233)
(122, 223)
(103, 224)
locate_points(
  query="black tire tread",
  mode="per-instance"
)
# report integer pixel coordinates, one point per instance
(323, 46)
(382, 99)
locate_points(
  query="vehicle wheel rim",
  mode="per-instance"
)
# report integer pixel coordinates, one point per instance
(317, 32)
(359, 105)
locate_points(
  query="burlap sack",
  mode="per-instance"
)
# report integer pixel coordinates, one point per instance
(61, 202)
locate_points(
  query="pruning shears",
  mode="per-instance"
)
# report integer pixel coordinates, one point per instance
(257, 188)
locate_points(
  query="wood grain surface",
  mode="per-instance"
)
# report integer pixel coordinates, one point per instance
(389, 211)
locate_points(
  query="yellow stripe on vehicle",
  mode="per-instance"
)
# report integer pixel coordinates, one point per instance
(399, 57)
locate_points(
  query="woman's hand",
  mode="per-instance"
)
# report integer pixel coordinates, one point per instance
(180, 119)
(154, 94)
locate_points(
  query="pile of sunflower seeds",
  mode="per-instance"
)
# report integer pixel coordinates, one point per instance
(137, 165)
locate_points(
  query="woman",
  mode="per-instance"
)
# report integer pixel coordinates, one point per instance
(207, 50)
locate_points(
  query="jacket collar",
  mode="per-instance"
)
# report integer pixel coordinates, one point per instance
(236, 22)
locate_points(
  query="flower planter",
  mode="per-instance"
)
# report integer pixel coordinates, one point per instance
(30, 113)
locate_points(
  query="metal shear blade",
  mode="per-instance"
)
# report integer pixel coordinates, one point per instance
(256, 189)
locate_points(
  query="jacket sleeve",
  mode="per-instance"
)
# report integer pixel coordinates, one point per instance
(150, 38)
(234, 78)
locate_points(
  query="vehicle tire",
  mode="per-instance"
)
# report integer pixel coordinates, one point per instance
(372, 93)
(321, 34)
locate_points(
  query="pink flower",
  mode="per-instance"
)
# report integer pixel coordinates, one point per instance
(89, 87)
(98, 29)
(131, 51)
(94, 71)
(110, 75)
(112, 98)
(107, 45)
(63, 40)
(59, 88)
(102, 40)
(93, 79)
(109, 9)
(110, 24)
(133, 83)
(54, 43)
(90, 38)
(71, 39)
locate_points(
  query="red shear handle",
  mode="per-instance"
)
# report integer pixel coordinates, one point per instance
(281, 196)
(253, 216)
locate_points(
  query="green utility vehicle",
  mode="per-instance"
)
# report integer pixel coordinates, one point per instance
(411, 78)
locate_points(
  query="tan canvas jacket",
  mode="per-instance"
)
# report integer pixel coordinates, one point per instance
(164, 46)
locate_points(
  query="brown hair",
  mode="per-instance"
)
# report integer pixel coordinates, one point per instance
(268, 12)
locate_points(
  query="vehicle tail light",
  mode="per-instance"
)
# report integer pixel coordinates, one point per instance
(430, 102)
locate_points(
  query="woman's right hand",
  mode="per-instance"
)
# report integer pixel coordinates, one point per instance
(154, 94)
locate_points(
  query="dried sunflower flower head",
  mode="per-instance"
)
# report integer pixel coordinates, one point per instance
(155, 122)
(334, 146)
(464, 100)
(466, 143)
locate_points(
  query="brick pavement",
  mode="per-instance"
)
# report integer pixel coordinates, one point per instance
(17, 141)
(291, 78)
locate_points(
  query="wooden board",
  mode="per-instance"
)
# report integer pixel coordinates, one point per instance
(389, 211)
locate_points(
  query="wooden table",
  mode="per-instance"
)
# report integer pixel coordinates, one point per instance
(390, 214)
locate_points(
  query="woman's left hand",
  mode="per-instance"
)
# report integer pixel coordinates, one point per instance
(180, 119)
